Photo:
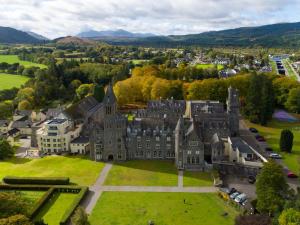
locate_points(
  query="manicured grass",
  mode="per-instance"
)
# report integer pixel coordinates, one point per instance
(289, 69)
(14, 59)
(274, 66)
(272, 134)
(129, 208)
(55, 208)
(8, 81)
(196, 179)
(143, 173)
(139, 61)
(206, 66)
(81, 170)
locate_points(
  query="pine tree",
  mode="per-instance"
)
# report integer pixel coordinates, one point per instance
(79, 217)
(286, 140)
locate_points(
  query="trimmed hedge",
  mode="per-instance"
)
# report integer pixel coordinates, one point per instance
(37, 180)
(42, 202)
(74, 205)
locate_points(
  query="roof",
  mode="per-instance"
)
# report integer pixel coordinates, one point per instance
(109, 97)
(4, 123)
(21, 124)
(241, 145)
(23, 112)
(80, 140)
(54, 112)
(215, 139)
(12, 131)
(82, 108)
(56, 121)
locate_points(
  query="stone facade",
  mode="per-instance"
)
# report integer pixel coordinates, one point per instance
(189, 132)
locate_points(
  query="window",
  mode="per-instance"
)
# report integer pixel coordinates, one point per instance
(157, 146)
(168, 138)
(193, 160)
(197, 160)
(141, 153)
(189, 152)
(197, 152)
(188, 160)
(159, 154)
(54, 140)
(193, 143)
(138, 138)
(136, 154)
(139, 145)
(157, 138)
(147, 145)
(168, 146)
(154, 154)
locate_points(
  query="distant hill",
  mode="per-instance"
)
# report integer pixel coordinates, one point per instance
(285, 35)
(74, 40)
(37, 36)
(112, 34)
(12, 36)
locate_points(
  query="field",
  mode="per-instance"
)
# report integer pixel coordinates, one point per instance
(143, 173)
(8, 81)
(274, 66)
(196, 179)
(81, 170)
(206, 66)
(131, 208)
(54, 209)
(272, 134)
(14, 59)
(139, 61)
(289, 69)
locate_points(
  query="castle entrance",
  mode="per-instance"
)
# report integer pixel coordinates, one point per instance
(110, 158)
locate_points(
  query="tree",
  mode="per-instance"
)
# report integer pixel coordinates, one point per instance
(99, 92)
(24, 105)
(18, 219)
(12, 204)
(289, 217)
(84, 90)
(6, 150)
(271, 188)
(293, 100)
(6, 109)
(256, 219)
(79, 217)
(286, 140)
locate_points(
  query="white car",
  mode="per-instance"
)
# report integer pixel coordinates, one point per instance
(275, 156)
(234, 195)
(240, 198)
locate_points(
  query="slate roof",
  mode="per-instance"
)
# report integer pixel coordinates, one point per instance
(237, 142)
(4, 123)
(80, 140)
(21, 124)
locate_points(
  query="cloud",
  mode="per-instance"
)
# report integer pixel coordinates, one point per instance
(54, 18)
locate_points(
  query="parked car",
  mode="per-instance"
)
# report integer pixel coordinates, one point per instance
(251, 179)
(261, 139)
(232, 190)
(253, 130)
(268, 149)
(291, 175)
(234, 195)
(240, 198)
(275, 156)
(244, 202)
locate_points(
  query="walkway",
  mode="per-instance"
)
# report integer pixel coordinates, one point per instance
(97, 189)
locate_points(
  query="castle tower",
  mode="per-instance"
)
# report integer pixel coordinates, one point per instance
(110, 101)
(179, 143)
(233, 111)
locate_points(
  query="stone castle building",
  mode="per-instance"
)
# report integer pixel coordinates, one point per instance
(189, 132)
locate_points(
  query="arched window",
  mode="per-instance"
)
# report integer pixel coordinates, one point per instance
(197, 160)
(188, 160)
(193, 160)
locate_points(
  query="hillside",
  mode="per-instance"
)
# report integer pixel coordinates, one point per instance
(112, 34)
(74, 41)
(12, 36)
(285, 35)
(37, 36)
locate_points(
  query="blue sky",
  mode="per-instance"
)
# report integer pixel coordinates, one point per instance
(55, 18)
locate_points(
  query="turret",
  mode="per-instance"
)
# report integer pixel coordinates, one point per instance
(109, 101)
(233, 110)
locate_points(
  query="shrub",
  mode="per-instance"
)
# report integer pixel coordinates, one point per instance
(286, 140)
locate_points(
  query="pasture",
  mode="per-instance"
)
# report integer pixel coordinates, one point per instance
(8, 81)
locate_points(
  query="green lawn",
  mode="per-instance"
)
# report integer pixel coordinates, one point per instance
(274, 66)
(8, 81)
(14, 59)
(206, 66)
(196, 179)
(143, 173)
(131, 208)
(81, 170)
(139, 61)
(272, 134)
(55, 208)
(289, 69)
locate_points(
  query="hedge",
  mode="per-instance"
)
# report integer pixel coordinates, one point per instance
(37, 180)
(42, 202)
(74, 205)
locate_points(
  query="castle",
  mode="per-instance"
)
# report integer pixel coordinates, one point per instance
(190, 132)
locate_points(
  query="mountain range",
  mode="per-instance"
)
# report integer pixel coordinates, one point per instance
(283, 35)
(112, 33)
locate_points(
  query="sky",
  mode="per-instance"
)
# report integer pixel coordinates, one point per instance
(57, 18)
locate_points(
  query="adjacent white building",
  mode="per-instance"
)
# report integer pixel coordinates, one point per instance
(56, 135)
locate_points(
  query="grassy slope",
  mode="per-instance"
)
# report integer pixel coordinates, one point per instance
(8, 81)
(53, 211)
(124, 208)
(196, 179)
(143, 173)
(206, 66)
(272, 134)
(80, 170)
(290, 71)
(14, 59)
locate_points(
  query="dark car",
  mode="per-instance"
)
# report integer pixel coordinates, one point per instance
(251, 179)
(268, 149)
(232, 190)
(261, 139)
(253, 130)
(291, 175)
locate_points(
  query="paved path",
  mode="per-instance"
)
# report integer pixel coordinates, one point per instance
(95, 190)
(180, 178)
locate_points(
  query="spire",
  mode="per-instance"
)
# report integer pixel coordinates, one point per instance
(180, 124)
(109, 97)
